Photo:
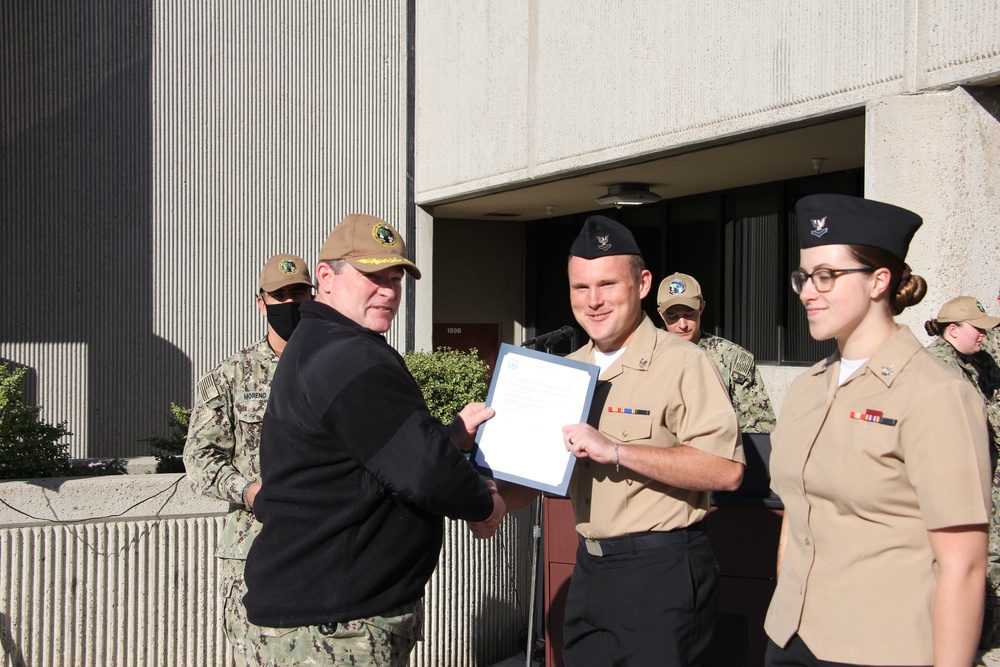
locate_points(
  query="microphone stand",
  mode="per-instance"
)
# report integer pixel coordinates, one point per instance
(536, 534)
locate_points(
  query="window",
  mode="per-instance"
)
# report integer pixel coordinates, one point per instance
(740, 245)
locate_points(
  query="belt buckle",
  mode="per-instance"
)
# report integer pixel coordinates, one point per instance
(593, 547)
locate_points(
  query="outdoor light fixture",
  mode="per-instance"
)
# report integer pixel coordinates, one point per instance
(628, 194)
(818, 163)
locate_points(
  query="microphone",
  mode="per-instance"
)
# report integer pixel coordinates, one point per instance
(551, 337)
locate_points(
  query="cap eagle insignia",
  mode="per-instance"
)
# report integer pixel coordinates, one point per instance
(819, 227)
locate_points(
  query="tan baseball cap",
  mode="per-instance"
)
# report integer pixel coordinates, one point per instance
(967, 309)
(282, 270)
(368, 244)
(678, 289)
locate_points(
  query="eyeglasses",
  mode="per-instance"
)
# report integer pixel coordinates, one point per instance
(822, 279)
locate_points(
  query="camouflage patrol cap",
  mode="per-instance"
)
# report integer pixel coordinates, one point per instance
(282, 270)
(368, 244)
(679, 289)
(967, 309)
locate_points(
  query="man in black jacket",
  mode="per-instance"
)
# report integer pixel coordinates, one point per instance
(357, 475)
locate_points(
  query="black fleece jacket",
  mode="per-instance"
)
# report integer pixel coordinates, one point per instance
(357, 476)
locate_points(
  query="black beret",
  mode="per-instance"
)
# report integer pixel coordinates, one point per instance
(603, 236)
(846, 220)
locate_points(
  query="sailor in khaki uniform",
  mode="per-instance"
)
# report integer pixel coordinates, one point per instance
(880, 457)
(661, 435)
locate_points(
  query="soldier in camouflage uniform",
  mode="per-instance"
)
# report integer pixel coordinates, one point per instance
(680, 304)
(991, 344)
(221, 453)
(961, 328)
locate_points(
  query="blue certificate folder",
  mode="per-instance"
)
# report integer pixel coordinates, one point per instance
(534, 394)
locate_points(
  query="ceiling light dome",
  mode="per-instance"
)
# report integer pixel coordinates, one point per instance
(629, 194)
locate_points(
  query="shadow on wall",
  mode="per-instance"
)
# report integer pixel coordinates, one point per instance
(988, 98)
(487, 644)
(76, 209)
(7, 641)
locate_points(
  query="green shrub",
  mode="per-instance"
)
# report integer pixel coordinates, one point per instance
(29, 447)
(168, 450)
(449, 379)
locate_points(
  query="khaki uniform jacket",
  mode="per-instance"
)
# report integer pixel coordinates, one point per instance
(221, 454)
(680, 387)
(743, 382)
(858, 576)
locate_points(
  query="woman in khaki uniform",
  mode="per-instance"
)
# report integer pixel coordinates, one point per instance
(880, 457)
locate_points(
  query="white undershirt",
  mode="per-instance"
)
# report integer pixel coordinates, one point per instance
(604, 360)
(847, 368)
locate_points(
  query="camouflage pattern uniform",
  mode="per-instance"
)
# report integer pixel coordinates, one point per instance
(221, 457)
(743, 382)
(991, 344)
(982, 371)
(378, 641)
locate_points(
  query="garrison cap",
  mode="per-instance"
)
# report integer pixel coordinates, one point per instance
(282, 270)
(967, 309)
(679, 289)
(603, 236)
(841, 219)
(368, 244)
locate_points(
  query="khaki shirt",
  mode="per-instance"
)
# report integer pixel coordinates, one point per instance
(221, 454)
(679, 386)
(858, 577)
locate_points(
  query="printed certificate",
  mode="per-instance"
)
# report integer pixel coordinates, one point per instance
(534, 395)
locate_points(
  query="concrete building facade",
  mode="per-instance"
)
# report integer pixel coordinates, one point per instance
(154, 156)
(523, 106)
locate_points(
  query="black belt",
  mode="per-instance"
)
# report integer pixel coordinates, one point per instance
(628, 544)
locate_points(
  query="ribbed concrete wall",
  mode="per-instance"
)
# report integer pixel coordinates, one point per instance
(563, 85)
(121, 571)
(117, 593)
(153, 156)
(962, 41)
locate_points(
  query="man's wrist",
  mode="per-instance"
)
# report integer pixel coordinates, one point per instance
(243, 496)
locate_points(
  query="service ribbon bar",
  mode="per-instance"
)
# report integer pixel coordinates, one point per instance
(628, 411)
(873, 416)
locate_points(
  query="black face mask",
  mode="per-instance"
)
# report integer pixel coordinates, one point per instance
(283, 318)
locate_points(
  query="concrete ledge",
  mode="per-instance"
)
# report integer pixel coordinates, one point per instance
(137, 465)
(88, 499)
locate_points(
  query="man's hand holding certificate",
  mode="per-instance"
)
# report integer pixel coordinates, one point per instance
(534, 396)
